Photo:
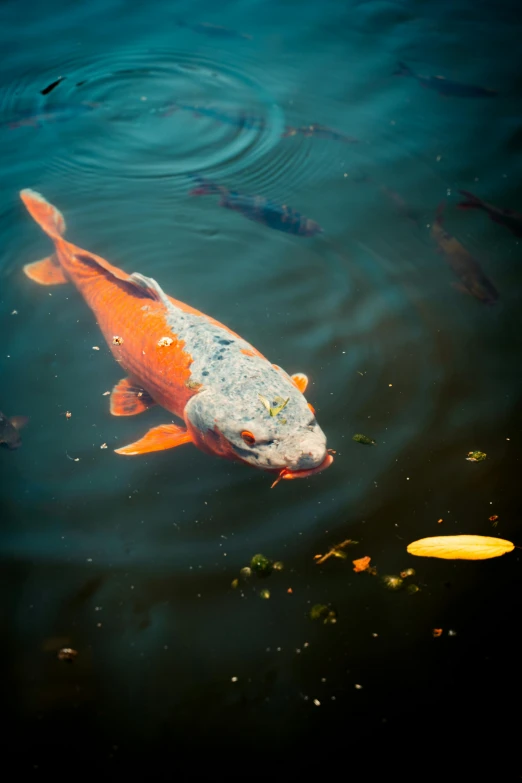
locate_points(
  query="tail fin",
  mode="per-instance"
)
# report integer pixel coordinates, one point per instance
(47, 216)
(403, 70)
(471, 201)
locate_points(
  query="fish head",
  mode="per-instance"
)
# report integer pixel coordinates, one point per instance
(264, 421)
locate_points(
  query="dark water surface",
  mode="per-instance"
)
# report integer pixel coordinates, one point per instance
(130, 560)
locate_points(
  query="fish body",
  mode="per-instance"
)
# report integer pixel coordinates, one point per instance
(472, 279)
(277, 216)
(318, 132)
(56, 114)
(505, 217)
(401, 204)
(190, 364)
(445, 86)
(10, 430)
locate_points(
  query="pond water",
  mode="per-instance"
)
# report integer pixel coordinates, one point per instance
(130, 560)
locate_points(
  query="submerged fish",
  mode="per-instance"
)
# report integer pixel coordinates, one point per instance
(318, 132)
(214, 30)
(190, 364)
(9, 430)
(504, 216)
(240, 120)
(278, 216)
(401, 204)
(445, 86)
(473, 279)
(56, 114)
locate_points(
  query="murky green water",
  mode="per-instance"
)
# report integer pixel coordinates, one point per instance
(130, 560)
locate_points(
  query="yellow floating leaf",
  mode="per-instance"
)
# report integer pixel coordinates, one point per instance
(265, 402)
(460, 547)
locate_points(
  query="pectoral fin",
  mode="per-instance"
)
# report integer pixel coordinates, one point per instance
(46, 272)
(166, 436)
(301, 381)
(128, 399)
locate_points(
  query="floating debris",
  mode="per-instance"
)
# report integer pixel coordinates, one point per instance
(362, 564)
(460, 547)
(436, 632)
(264, 594)
(261, 565)
(105, 394)
(50, 87)
(117, 340)
(323, 612)
(412, 589)
(278, 406)
(440, 521)
(407, 573)
(103, 446)
(73, 459)
(95, 347)
(194, 385)
(364, 440)
(245, 572)
(234, 583)
(335, 551)
(476, 456)
(67, 654)
(393, 582)
(164, 342)
(277, 566)
(493, 518)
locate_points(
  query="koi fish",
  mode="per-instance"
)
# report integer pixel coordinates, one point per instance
(445, 86)
(214, 30)
(240, 120)
(10, 430)
(318, 132)
(234, 403)
(473, 279)
(57, 114)
(504, 216)
(261, 210)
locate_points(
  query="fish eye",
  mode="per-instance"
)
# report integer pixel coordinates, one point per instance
(248, 437)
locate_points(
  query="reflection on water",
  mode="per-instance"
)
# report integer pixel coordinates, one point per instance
(130, 561)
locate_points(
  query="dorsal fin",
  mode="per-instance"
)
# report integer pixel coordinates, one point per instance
(154, 290)
(144, 287)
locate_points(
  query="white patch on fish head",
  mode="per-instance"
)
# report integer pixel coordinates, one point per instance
(290, 439)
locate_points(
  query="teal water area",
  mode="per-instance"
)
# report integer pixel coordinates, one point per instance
(129, 561)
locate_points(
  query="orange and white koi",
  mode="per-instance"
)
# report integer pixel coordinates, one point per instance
(234, 403)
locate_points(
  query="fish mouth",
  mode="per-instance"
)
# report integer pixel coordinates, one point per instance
(286, 473)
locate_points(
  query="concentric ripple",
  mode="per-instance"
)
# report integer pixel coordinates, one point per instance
(161, 115)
